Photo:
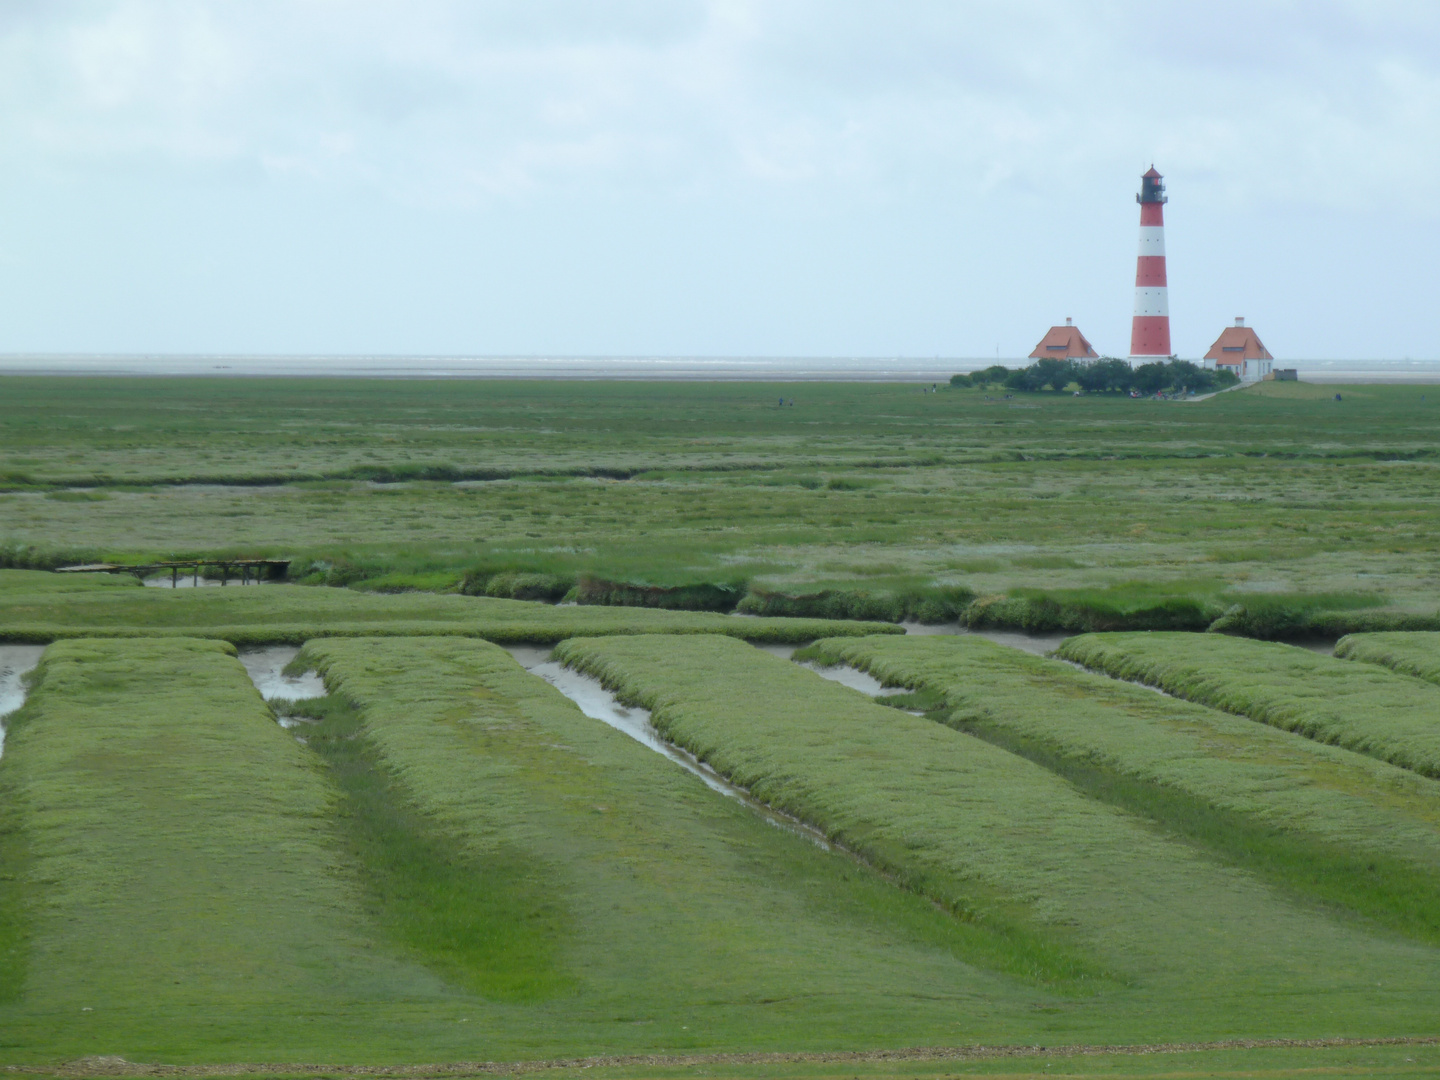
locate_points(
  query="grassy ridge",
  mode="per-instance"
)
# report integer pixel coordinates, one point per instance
(178, 884)
(1391, 717)
(257, 430)
(620, 885)
(1414, 653)
(1098, 514)
(1313, 819)
(292, 614)
(487, 920)
(45, 583)
(978, 829)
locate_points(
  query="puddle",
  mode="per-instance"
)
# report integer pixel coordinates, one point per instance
(1038, 644)
(921, 629)
(1112, 678)
(856, 679)
(15, 661)
(784, 652)
(599, 704)
(187, 581)
(265, 665)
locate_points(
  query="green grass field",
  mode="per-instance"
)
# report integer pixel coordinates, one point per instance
(1414, 653)
(1313, 820)
(1080, 895)
(39, 607)
(445, 861)
(173, 884)
(459, 865)
(626, 904)
(1274, 508)
(1395, 718)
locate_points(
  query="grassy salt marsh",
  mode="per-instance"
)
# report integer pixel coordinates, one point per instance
(1416, 653)
(461, 867)
(1395, 718)
(1314, 820)
(537, 856)
(532, 888)
(1078, 892)
(1275, 508)
(39, 607)
(170, 885)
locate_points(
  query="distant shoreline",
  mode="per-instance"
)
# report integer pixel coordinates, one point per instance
(661, 368)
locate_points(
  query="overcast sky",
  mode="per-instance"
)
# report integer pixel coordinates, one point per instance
(776, 177)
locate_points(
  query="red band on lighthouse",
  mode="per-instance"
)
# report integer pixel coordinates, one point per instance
(1150, 327)
(1150, 272)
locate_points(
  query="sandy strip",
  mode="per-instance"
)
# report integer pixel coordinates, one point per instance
(119, 1067)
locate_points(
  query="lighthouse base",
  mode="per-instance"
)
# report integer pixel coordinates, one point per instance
(1150, 334)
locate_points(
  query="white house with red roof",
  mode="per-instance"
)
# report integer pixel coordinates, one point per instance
(1064, 343)
(1240, 350)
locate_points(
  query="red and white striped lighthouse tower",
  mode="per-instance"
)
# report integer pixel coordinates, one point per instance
(1150, 330)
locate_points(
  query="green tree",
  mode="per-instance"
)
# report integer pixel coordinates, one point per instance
(1152, 378)
(1104, 376)
(1056, 374)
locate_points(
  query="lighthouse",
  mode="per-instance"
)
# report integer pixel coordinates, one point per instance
(1150, 328)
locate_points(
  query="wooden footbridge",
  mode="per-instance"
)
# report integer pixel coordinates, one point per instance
(245, 570)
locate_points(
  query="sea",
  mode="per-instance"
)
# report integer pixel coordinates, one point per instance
(697, 368)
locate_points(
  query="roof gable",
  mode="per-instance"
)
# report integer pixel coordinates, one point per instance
(1064, 343)
(1237, 343)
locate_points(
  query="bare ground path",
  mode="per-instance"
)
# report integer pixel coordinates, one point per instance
(111, 1066)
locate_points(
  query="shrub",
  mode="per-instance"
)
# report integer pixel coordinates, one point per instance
(995, 374)
(1105, 376)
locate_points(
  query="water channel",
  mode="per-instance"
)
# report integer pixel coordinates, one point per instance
(600, 704)
(189, 581)
(266, 667)
(16, 661)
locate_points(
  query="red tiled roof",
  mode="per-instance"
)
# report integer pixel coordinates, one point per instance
(1237, 343)
(1064, 343)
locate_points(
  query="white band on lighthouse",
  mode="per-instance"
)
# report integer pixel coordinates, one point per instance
(1152, 240)
(1152, 301)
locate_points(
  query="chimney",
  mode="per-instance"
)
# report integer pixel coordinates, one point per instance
(1067, 321)
(1239, 320)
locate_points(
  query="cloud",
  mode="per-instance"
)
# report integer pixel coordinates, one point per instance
(734, 176)
(459, 101)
